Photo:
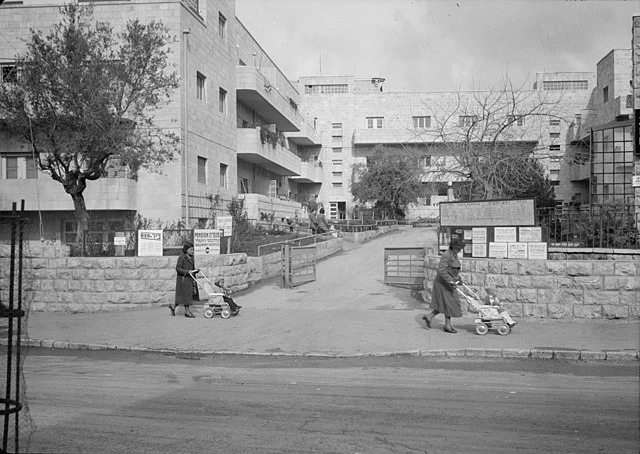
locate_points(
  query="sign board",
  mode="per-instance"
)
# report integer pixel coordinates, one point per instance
(225, 223)
(206, 241)
(537, 251)
(488, 213)
(635, 181)
(530, 234)
(504, 235)
(479, 250)
(119, 241)
(517, 251)
(498, 250)
(149, 243)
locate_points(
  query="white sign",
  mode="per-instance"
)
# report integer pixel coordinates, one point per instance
(487, 213)
(479, 235)
(504, 234)
(517, 251)
(498, 250)
(530, 234)
(206, 241)
(224, 223)
(537, 251)
(635, 181)
(149, 243)
(119, 241)
(479, 250)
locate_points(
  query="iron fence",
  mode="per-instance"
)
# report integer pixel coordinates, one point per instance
(599, 226)
(270, 248)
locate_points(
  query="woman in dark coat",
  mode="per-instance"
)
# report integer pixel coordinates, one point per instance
(185, 286)
(443, 297)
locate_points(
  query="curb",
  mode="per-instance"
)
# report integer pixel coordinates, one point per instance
(486, 353)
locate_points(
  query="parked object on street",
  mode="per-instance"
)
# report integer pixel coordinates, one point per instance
(215, 304)
(490, 316)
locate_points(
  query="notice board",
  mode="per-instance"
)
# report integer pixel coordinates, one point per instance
(487, 213)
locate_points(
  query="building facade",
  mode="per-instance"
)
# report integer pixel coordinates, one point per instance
(247, 131)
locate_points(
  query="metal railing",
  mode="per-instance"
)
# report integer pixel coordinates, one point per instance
(599, 226)
(302, 241)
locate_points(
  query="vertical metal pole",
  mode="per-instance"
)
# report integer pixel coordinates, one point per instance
(10, 331)
(19, 325)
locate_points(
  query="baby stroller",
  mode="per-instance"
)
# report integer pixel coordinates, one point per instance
(490, 316)
(215, 304)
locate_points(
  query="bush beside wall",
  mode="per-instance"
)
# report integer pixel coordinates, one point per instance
(581, 289)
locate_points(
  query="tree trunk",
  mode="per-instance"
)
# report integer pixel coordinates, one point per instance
(76, 192)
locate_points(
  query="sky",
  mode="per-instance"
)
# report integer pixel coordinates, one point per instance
(429, 45)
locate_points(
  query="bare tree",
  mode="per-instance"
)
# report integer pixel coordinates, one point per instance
(84, 96)
(490, 140)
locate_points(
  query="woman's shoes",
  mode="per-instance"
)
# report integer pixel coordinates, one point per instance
(449, 330)
(173, 311)
(189, 315)
(427, 321)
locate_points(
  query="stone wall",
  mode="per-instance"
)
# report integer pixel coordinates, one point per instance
(362, 237)
(581, 289)
(55, 282)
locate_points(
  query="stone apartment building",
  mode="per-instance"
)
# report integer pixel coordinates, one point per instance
(247, 130)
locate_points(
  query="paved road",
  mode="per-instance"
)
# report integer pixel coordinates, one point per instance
(114, 402)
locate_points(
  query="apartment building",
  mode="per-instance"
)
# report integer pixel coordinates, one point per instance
(236, 114)
(246, 130)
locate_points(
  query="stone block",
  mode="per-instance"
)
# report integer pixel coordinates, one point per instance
(510, 267)
(612, 312)
(591, 312)
(566, 354)
(560, 310)
(562, 296)
(496, 280)
(484, 352)
(603, 267)
(588, 282)
(506, 294)
(534, 310)
(601, 297)
(629, 283)
(622, 355)
(579, 268)
(521, 281)
(562, 282)
(588, 355)
(516, 353)
(527, 295)
(542, 282)
(515, 309)
(494, 267)
(534, 267)
(625, 268)
(634, 312)
(94, 274)
(64, 274)
(557, 267)
(541, 354)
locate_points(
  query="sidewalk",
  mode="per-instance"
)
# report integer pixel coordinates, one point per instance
(347, 312)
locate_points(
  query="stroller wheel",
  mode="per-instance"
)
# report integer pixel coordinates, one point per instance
(225, 313)
(503, 330)
(482, 329)
(208, 313)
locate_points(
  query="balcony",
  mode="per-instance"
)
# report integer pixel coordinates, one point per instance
(390, 136)
(276, 159)
(579, 172)
(102, 194)
(309, 173)
(623, 107)
(254, 90)
(307, 136)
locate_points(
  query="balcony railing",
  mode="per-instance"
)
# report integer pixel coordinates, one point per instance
(277, 159)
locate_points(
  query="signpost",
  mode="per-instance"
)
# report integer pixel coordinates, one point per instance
(149, 243)
(225, 223)
(206, 241)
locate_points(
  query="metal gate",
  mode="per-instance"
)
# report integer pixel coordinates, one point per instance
(404, 266)
(12, 311)
(298, 265)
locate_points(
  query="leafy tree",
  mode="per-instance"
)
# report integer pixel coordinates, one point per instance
(84, 97)
(490, 140)
(391, 180)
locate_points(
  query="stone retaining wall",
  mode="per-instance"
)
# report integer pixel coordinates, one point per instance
(362, 237)
(584, 289)
(55, 282)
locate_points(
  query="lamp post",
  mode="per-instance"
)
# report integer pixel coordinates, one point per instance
(185, 139)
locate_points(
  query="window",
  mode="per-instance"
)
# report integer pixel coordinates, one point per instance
(337, 149)
(565, 85)
(336, 174)
(336, 141)
(421, 122)
(223, 175)
(222, 101)
(19, 168)
(554, 135)
(336, 184)
(515, 120)
(337, 162)
(326, 89)
(578, 119)
(8, 73)
(202, 170)
(555, 182)
(554, 147)
(374, 122)
(200, 87)
(336, 129)
(315, 123)
(554, 122)
(605, 94)
(222, 26)
(244, 186)
(425, 161)
(241, 62)
(467, 120)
